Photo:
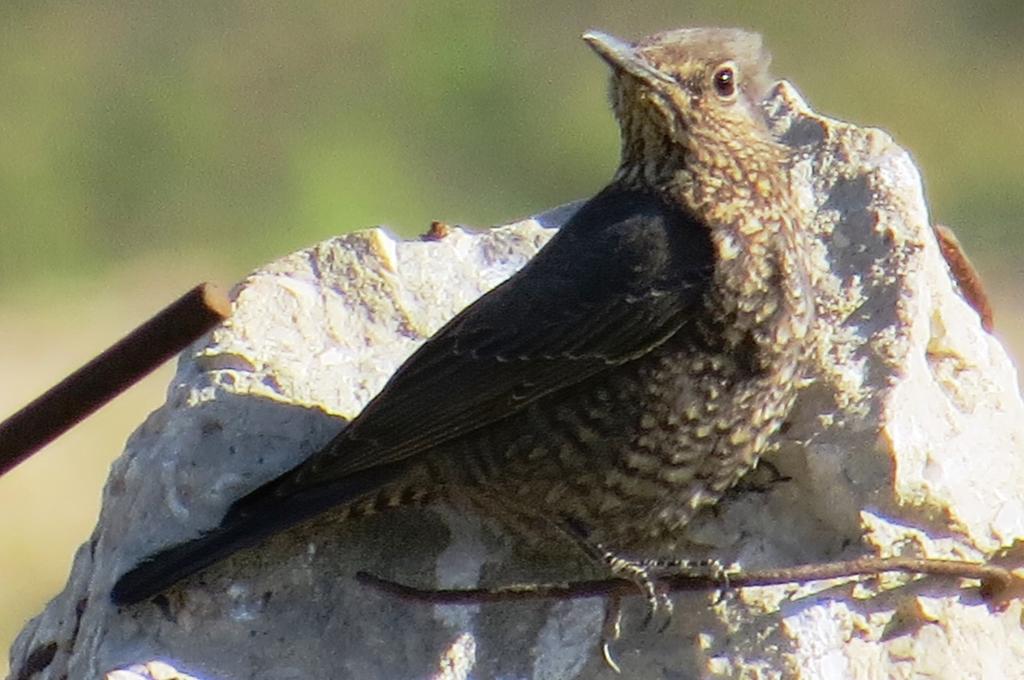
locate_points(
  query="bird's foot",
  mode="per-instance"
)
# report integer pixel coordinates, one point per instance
(708, 570)
(712, 570)
(641, 573)
(658, 603)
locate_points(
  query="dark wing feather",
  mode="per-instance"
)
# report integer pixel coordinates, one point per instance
(617, 280)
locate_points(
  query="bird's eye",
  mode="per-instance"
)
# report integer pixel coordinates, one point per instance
(724, 81)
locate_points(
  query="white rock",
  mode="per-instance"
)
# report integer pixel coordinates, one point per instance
(909, 441)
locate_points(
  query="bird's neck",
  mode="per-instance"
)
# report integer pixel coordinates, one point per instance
(741, 191)
(761, 268)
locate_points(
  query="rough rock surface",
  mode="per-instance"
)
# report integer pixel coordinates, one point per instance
(908, 440)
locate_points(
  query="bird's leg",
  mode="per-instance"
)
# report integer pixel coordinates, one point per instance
(648, 572)
(626, 568)
(640, 573)
(645, 573)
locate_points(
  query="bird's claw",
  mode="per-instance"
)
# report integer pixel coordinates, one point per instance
(659, 605)
(610, 629)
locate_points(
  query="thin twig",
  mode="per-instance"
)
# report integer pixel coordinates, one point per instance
(110, 373)
(993, 578)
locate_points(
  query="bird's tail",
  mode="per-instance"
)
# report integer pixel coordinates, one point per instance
(256, 517)
(163, 569)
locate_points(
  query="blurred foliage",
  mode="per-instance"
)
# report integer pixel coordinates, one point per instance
(144, 143)
(247, 130)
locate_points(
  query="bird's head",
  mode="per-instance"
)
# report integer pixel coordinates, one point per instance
(690, 97)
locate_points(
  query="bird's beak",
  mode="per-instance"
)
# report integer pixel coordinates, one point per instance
(622, 56)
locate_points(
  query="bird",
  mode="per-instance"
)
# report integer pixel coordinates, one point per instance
(627, 376)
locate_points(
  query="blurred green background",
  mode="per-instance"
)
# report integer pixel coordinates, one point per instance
(145, 146)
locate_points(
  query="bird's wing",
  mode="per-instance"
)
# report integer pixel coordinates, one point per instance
(617, 280)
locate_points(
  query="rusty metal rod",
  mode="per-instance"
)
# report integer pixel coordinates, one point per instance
(110, 373)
